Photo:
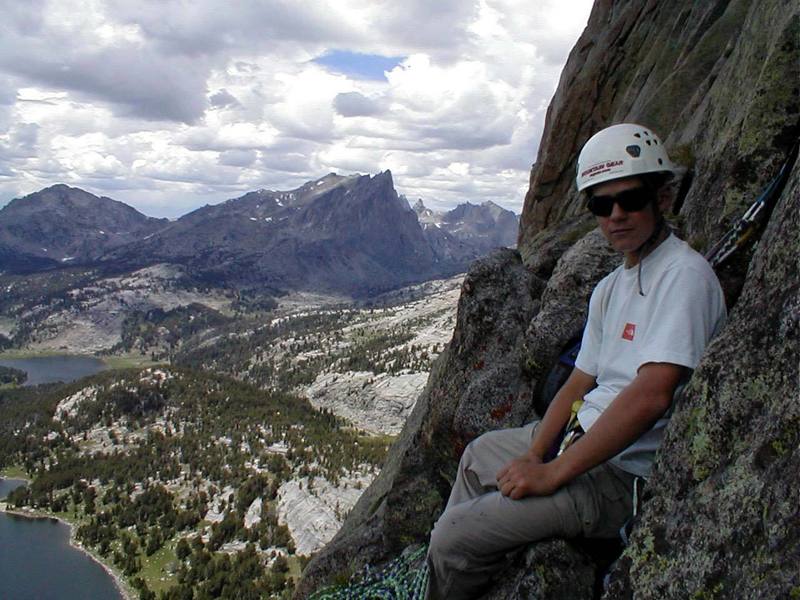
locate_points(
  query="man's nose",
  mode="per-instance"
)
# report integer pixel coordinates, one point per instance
(617, 212)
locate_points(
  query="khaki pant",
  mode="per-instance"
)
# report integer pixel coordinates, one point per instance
(480, 526)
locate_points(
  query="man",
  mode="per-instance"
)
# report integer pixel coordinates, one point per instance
(649, 322)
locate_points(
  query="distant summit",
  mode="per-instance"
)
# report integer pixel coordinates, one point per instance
(63, 225)
(345, 234)
(470, 228)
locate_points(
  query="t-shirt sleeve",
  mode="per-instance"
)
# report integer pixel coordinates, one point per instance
(689, 309)
(592, 334)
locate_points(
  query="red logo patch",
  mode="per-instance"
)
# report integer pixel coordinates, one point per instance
(629, 331)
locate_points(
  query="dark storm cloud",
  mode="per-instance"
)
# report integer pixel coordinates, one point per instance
(25, 17)
(287, 163)
(465, 136)
(22, 141)
(8, 93)
(138, 82)
(161, 73)
(207, 27)
(426, 25)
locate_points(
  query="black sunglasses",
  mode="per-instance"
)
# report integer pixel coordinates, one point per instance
(630, 201)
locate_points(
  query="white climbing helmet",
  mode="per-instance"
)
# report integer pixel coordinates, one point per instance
(621, 151)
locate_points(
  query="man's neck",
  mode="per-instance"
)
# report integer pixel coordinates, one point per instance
(632, 259)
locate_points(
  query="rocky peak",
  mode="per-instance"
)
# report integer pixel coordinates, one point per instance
(314, 189)
(66, 225)
(63, 198)
(351, 235)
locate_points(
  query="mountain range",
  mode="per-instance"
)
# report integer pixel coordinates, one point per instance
(347, 234)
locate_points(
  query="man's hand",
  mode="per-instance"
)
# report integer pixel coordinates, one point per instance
(527, 476)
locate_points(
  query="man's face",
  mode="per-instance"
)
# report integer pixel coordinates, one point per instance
(626, 231)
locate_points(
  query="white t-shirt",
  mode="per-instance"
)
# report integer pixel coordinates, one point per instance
(683, 307)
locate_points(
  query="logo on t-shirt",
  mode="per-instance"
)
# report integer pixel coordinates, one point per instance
(629, 331)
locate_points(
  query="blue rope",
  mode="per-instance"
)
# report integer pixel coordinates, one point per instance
(404, 578)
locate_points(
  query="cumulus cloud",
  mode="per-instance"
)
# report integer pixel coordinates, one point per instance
(291, 162)
(238, 158)
(20, 141)
(356, 104)
(163, 100)
(223, 98)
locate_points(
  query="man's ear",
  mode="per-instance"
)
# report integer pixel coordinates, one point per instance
(664, 199)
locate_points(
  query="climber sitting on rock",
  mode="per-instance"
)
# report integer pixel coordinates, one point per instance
(648, 324)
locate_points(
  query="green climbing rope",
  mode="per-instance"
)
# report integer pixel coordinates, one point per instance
(404, 578)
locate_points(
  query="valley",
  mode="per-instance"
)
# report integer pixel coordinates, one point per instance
(249, 442)
(263, 355)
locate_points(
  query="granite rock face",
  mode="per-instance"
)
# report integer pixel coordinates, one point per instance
(720, 82)
(569, 574)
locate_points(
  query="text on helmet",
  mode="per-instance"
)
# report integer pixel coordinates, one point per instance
(602, 167)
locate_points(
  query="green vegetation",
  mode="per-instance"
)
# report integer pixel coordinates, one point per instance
(9, 375)
(13, 472)
(129, 361)
(160, 332)
(149, 452)
(290, 352)
(157, 468)
(159, 569)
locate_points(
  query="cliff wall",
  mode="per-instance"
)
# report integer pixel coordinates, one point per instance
(720, 82)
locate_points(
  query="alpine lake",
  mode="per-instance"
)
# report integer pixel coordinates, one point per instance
(36, 558)
(50, 369)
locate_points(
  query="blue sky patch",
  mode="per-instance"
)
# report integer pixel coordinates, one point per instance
(358, 66)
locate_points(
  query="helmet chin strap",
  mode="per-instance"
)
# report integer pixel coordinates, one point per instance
(647, 245)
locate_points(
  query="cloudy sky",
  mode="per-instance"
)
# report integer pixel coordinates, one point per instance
(171, 104)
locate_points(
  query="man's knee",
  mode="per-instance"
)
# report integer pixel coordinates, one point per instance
(470, 451)
(447, 537)
(511, 441)
(481, 444)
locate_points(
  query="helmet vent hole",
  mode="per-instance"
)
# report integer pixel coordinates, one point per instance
(655, 141)
(660, 161)
(647, 142)
(636, 135)
(634, 150)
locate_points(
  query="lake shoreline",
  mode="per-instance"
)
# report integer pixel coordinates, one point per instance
(57, 368)
(120, 583)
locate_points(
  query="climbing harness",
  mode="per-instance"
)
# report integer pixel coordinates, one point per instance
(573, 431)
